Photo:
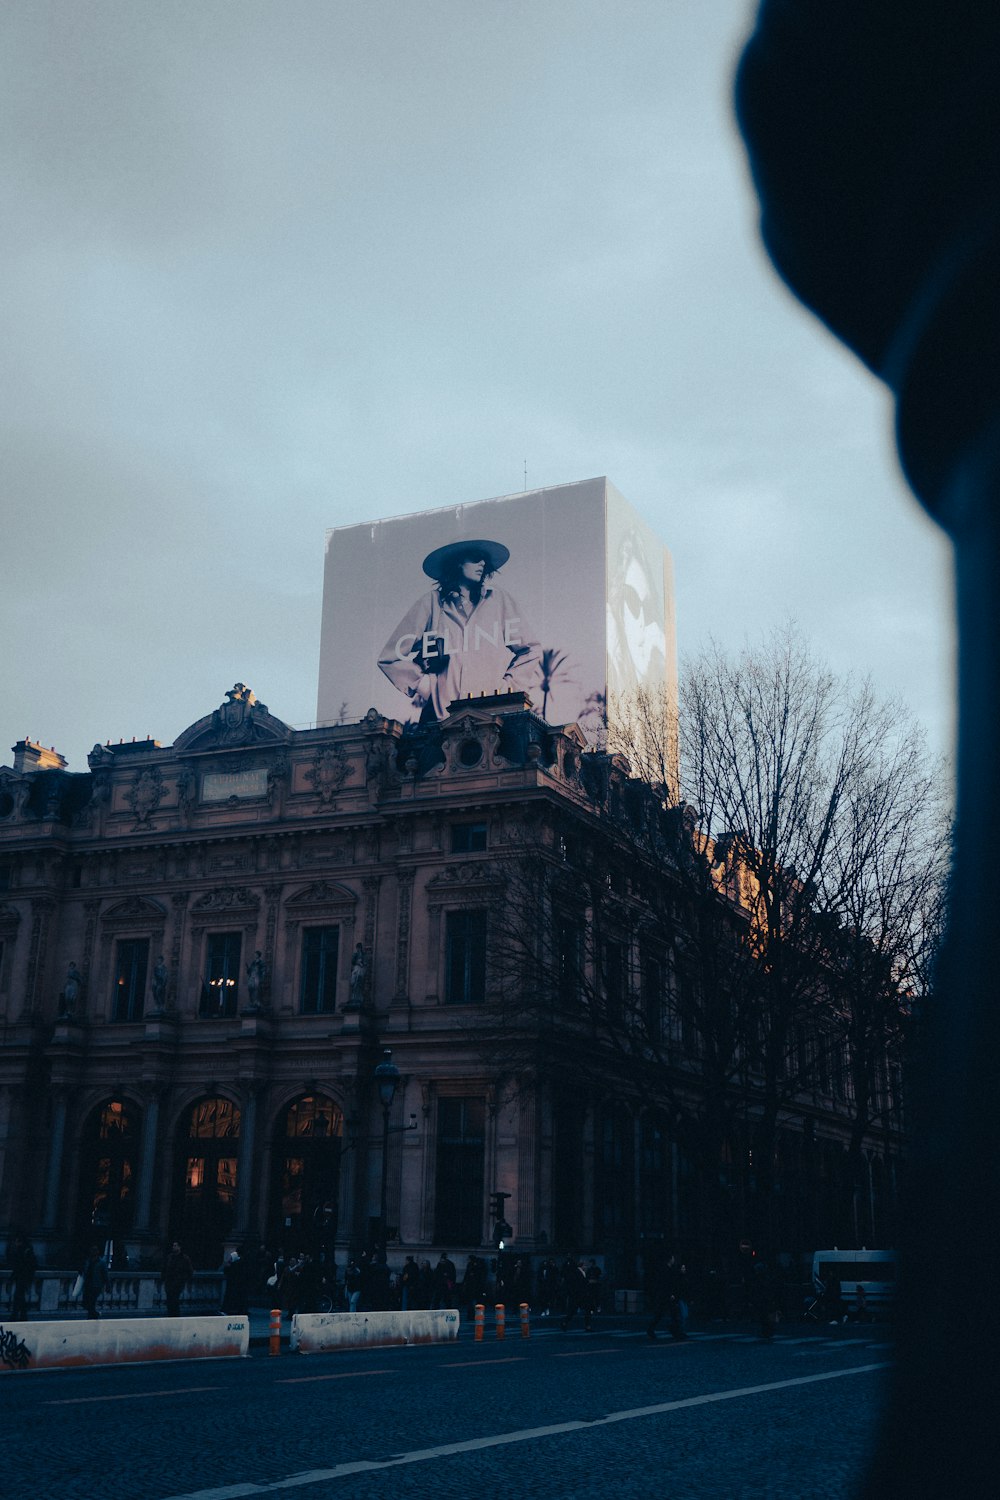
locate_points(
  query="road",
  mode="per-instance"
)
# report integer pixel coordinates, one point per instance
(572, 1414)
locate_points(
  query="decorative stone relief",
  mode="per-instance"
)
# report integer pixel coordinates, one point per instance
(145, 795)
(405, 899)
(321, 891)
(328, 773)
(278, 773)
(187, 791)
(225, 898)
(233, 723)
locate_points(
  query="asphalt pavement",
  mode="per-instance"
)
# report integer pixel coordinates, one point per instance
(607, 1414)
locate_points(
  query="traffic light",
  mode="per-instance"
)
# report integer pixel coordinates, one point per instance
(497, 1201)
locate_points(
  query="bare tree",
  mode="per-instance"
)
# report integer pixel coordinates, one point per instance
(825, 797)
(720, 950)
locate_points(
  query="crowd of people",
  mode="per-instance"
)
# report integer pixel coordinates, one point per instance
(566, 1288)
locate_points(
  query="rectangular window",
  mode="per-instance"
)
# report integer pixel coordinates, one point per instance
(220, 987)
(468, 838)
(614, 981)
(569, 960)
(461, 1155)
(652, 999)
(465, 957)
(131, 963)
(319, 970)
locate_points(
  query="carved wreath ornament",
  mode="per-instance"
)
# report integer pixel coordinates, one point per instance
(328, 773)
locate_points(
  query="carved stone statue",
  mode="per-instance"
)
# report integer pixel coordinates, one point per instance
(71, 992)
(256, 974)
(359, 974)
(160, 978)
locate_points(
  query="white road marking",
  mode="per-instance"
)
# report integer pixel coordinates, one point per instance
(181, 1390)
(505, 1439)
(585, 1353)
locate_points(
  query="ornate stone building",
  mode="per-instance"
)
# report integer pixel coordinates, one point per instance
(206, 947)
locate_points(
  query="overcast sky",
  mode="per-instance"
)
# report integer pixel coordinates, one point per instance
(274, 266)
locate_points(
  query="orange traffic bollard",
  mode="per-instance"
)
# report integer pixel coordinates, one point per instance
(480, 1318)
(274, 1343)
(501, 1315)
(525, 1325)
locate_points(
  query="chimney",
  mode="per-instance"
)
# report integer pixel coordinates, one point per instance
(30, 757)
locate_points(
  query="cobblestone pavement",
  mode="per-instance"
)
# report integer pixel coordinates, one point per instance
(722, 1415)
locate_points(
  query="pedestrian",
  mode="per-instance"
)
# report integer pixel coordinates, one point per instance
(409, 1278)
(425, 1286)
(289, 1287)
(548, 1278)
(352, 1284)
(234, 1289)
(379, 1282)
(95, 1280)
(836, 1307)
(683, 1298)
(578, 1298)
(177, 1272)
(23, 1269)
(473, 1284)
(767, 1297)
(567, 1274)
(594, 1282)
(663, 1292)
(445, 1277)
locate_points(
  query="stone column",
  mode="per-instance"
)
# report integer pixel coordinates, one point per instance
(524, 1224)
(42, 908)
(147, 1165)
(245, 1162)
(177, 1001)
(53, 1174)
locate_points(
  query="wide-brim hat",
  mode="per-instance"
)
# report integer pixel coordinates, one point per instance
(495, 553)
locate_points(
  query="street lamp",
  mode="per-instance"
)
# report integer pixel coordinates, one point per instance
(387, 1080)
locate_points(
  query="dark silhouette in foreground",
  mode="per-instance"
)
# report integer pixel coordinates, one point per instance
(872, 129)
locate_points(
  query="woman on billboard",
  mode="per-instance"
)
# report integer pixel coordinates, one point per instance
(463, 637)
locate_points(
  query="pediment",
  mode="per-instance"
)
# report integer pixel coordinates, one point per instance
(133, 907)
(322, 893)
(227, 898)
(241, 721)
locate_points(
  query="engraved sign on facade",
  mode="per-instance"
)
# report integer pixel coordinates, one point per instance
(219, 786)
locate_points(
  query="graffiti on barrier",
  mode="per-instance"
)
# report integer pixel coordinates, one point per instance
(14, 1352)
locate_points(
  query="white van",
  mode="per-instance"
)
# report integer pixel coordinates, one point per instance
(872, 1270)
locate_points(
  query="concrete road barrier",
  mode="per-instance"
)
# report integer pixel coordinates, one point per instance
(111, 1341)
(313, 1333)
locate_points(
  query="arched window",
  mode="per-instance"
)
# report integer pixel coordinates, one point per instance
(307, 1174)
(205, 1183)
(108, 1167)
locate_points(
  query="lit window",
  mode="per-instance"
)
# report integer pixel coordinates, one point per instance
(222, 973)
(132, 960)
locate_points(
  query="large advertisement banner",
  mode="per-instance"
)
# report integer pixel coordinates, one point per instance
(498, 595)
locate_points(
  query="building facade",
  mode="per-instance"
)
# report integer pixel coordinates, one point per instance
(205, 949)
